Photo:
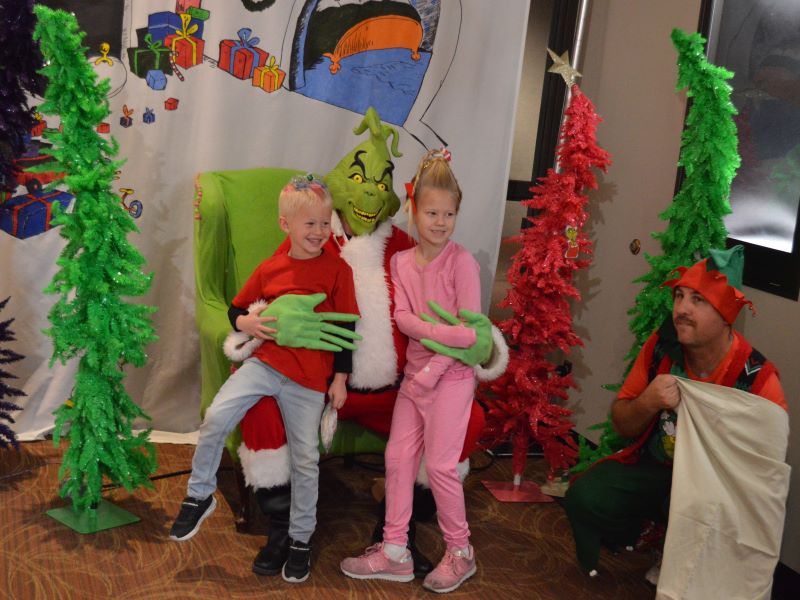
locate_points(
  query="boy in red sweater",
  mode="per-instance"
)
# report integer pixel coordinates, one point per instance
(292, 366)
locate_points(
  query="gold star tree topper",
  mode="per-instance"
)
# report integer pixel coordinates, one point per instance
(562, 67)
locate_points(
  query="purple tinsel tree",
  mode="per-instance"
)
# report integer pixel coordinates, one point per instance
(7, 435)
(20, 61)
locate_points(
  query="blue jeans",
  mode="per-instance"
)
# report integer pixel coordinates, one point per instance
(301, 409)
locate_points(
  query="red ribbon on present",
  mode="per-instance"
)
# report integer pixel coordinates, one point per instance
(127, 111)
(32, 200)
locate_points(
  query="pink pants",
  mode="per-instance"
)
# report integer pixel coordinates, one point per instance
(433, 422)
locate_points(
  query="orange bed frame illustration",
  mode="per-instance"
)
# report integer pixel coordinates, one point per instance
(377, 33)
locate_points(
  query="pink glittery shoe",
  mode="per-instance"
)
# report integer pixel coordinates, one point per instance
(375, 564)
(453, 570)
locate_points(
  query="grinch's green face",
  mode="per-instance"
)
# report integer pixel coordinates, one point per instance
(361, 184)
(362, 191)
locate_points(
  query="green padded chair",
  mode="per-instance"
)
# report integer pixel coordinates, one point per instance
(235, 228)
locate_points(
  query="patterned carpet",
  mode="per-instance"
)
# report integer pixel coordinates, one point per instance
(524, 551)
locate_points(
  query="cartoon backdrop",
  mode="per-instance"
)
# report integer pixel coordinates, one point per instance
(203, 85)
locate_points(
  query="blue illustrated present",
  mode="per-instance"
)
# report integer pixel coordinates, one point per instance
(149, 116)
(31, 214)
(156, 79)
(162, 24)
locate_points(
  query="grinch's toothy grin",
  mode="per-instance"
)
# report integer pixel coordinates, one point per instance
(367, 217)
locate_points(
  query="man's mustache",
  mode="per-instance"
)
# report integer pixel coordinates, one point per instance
(684, 320)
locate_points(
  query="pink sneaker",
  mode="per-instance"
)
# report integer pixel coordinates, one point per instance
(374, 564)
(453, 570)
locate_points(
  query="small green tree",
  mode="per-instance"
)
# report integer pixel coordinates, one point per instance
(98, 268)
(709, 158)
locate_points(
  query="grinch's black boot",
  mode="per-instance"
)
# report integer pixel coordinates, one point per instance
(377, 532)
(422, 566)
(424, 507)
(275, 503)
(423, 510)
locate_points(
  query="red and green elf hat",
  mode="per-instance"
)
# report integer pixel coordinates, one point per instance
(719, 279)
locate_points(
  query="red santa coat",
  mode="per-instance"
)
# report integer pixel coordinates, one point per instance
(378, 362)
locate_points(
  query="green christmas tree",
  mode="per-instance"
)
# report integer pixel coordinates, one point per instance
(709, 158)
(98, 268)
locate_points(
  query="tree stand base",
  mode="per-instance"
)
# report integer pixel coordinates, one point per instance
(525, 491)
(105, 516)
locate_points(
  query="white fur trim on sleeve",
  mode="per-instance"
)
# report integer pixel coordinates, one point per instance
(422, 475)
(265, 468)
(498, 361)
(238, 345)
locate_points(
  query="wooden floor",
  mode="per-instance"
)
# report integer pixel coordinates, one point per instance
(524, 551)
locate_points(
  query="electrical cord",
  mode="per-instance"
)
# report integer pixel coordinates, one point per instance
(112, 486)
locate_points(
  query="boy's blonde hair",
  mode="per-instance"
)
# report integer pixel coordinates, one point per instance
(434, 171)
(301, 192)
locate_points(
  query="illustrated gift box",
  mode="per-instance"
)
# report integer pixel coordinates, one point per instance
(162, 24)
(241, 57)
(182, 6)
(171, 104)
(149, 116)
(187, 47)
(31, 214)
(38, 128)
(126, 120)
(150, 55)
(269, 77)
(156, 79)
(198, 13)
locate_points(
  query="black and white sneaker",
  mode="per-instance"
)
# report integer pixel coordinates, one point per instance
(193, 513)
(298, 566)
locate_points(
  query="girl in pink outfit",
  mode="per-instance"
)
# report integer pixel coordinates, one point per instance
(433, 405)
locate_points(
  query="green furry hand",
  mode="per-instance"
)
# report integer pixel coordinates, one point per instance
(298, 326)
(476, 354)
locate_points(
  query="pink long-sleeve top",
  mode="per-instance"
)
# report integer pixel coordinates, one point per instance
(452, 280)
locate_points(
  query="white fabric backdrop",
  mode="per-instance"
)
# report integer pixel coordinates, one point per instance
(467, 98)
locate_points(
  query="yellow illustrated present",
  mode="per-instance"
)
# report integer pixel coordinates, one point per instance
(269, 77)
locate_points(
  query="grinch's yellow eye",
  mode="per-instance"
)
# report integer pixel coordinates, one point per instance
(382, 187)
(357, 178)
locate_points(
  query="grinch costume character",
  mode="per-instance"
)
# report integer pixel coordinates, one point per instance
(363, 235)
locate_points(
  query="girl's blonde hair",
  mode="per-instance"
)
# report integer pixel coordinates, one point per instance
(302, 192)
(433, 171)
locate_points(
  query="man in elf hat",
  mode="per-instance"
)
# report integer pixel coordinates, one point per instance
(619, 493)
